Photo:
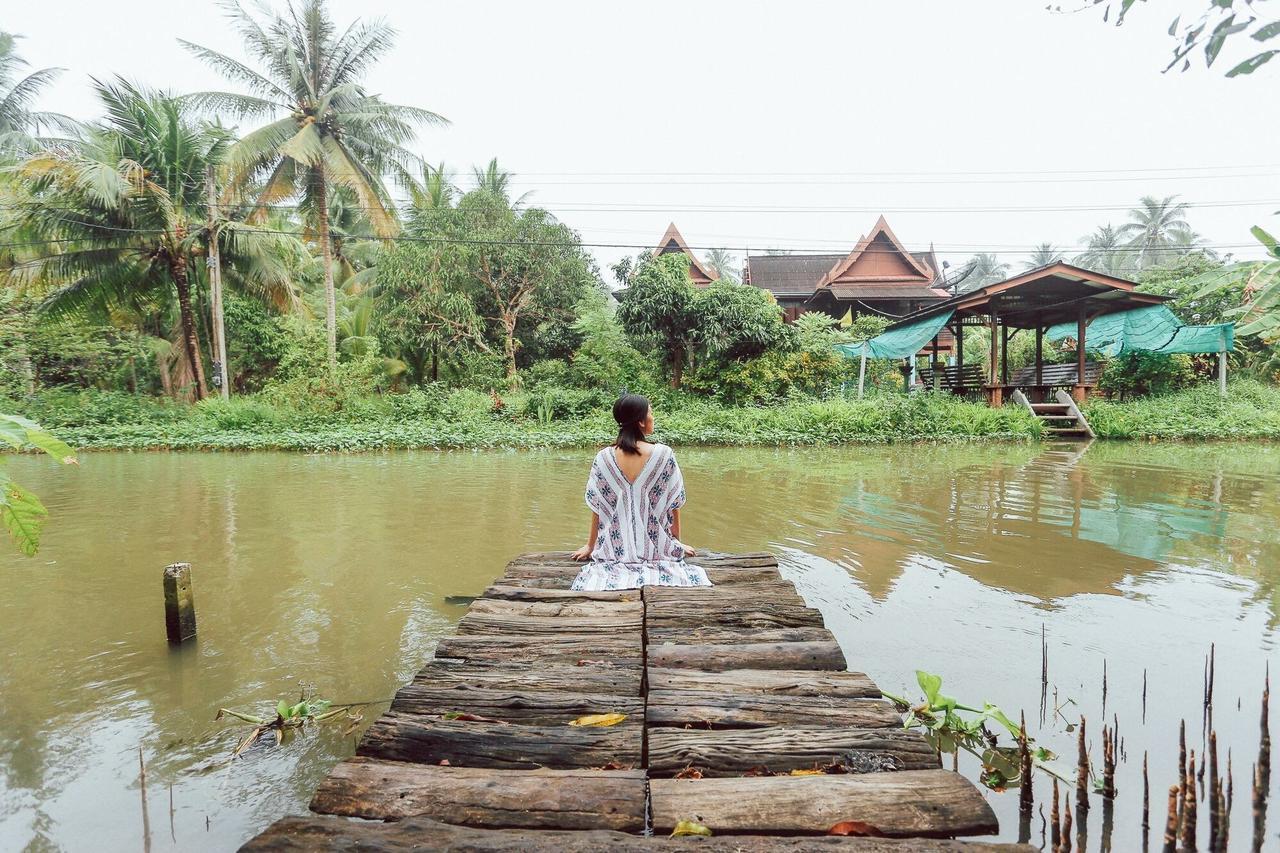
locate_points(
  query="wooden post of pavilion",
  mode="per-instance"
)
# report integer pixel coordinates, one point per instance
(995, 394)
(1078, 391)
(1004, 354)
(935, 364)
(1039, 353)
(959, 333)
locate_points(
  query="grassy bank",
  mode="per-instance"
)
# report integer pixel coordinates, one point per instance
(438, 418)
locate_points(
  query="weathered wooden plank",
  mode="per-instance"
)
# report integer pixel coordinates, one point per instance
(744, 617)
(713, 707)
(620, 647)
(714, 632)
(723, 576)
(562, 558)
(520, 593)
(408, 737)
(496, 624)
(772, 591)
(536, 708)
(324, 834)
(567, 608)
(909, 803)
(781, 682)
(607, 677)
(528, 799)
(732, 752)
(714, 657)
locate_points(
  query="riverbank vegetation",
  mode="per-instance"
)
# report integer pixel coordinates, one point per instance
(280, 244)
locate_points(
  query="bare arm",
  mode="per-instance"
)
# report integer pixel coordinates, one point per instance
(585, 551)
(675, 523)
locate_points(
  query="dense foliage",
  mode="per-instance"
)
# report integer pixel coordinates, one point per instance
(372, 300)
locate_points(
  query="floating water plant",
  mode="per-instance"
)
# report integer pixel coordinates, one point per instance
(307, 709)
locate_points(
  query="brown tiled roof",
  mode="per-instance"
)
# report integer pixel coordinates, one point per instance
(886, 291)
(789, 275)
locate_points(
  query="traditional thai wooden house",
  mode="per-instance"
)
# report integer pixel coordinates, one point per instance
(880, 277)
(673, 241)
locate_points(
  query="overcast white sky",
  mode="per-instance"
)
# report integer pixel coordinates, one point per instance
(975, 126)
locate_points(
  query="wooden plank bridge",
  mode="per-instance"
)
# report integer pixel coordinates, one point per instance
(734, 697)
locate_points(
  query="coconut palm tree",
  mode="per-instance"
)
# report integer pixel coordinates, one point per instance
(324, 131)
(18, 121)
(125, 211)
(723, 263)
(1158, 231)
(1106, 251)
(496, 181)
(983, 269)
(1043, 255)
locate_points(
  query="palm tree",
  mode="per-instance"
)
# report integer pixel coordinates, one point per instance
(1043, 255)
(723, 263)
(126, 209)
(325, 129)
(1106, 251)
(497, 182)
(983, 269)
(18, 121)
(1158, 231)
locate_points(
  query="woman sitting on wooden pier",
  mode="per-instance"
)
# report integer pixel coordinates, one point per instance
(635, 492)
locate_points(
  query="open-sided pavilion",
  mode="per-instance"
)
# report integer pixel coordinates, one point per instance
(1034, 301)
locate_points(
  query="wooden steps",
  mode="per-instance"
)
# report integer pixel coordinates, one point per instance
(1060, 418)
(739, 711)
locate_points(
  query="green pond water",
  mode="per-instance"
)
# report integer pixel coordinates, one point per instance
(335, 571)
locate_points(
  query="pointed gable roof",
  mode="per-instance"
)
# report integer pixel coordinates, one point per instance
(879, 258)
(673, 241)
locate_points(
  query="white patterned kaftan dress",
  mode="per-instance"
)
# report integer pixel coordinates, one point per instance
(634, 547)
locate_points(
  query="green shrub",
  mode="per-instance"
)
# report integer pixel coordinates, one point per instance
(236, 413)
(1137, 374)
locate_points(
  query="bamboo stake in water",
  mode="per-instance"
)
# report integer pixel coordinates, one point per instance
(1026, 798)
(1215, 814)
(1171, 820)
(1182, 766)
(1082, 771)
(1055, 820)
(1189, 808)
(1065, 846)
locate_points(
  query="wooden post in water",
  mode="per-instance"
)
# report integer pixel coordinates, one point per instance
(179, 603)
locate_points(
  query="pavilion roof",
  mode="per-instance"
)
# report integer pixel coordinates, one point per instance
(1053, 293)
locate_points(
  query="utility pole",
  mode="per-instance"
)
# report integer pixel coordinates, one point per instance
(214, 261)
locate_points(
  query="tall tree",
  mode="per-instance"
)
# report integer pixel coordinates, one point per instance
(660, 309)
(1106, 251)
(479, 274)
(19, 122)
(497, 182)
(1158, 231)
(325, 129)
(1043, 255)
(982, 269)
(724, 263)
(125, 213)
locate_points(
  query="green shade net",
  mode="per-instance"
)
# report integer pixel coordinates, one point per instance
(1152, 329)
(899, 341)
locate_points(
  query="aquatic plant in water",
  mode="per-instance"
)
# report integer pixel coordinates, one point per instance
(307, 709)
(951, 725)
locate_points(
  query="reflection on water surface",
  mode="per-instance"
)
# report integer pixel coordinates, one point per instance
(335, 570)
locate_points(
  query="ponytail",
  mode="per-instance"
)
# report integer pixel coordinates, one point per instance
(629, 412)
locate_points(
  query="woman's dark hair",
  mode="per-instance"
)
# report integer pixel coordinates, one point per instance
(629, 411)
